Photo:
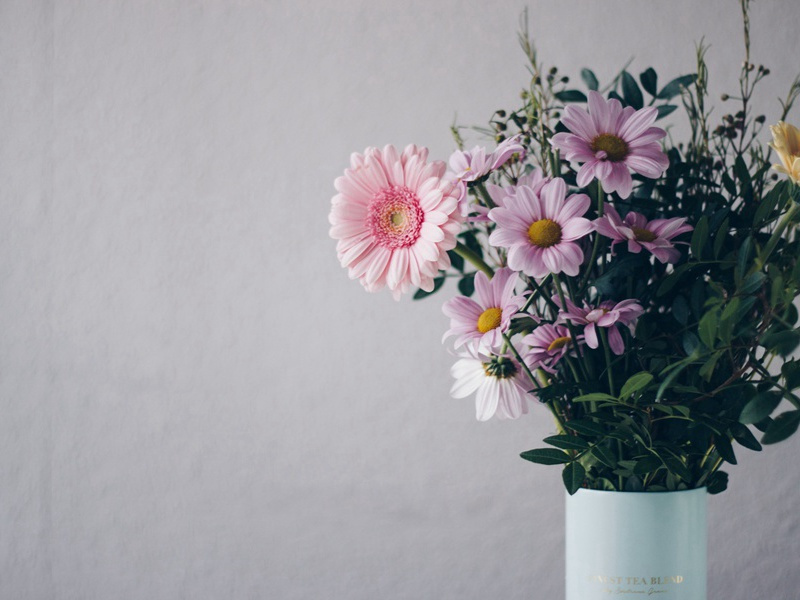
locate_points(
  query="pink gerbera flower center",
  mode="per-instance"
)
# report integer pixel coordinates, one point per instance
(490, 319)
(544, 233)
(613, 146)
(643, 235)
(559, 343)
(395, 217)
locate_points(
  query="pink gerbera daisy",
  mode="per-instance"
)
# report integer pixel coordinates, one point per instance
(499, 380)
(655, 236)
(607, 315)
(395, 218)
(541, 231)
(548, 345)
(609, 140)
(485, 318)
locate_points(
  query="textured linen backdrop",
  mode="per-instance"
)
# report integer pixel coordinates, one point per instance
(196, 402)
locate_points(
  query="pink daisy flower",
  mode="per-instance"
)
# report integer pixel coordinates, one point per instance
(606, 314)
(548, 345)
(499, 382)
(541, 231)
(394, 218)
(475, 164)
(485, 318)
(609, 140)
(655, 236)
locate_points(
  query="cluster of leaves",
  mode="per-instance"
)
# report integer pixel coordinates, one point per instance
(709, 359)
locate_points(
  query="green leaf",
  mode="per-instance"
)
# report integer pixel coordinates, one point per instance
(745, 437)
(456, 260)
(546, 456)
(566, 442)
(586, 427)
(707, 370)
(781, 342)
(725, 449)
(471, 242)
(631, 91)
(782, 427)
(437, 283)
(466, 285)
(729, 312)
(791, 373)
(649, 81)
(633, 484)
(665, 109)
(721, 236)
(671, 280)
(589, 79)
(673, 88)
(605, 456)
(636, 382)
(648, 464)
(752, 282)
(707, 328)
(595, 397)
(677, 468)
(690, 342)
(699, 237)
(680, 310)
(573, 475)
(571, 96)
(717, 482)
(743, 256)
(759, 407)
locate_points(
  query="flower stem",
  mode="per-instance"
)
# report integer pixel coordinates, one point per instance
(596, 246)
(474, 259)
(607, 352)
(778, 233)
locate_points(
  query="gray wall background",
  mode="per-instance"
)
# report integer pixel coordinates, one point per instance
(195, 400)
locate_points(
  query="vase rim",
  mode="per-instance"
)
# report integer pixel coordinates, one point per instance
(586, 491)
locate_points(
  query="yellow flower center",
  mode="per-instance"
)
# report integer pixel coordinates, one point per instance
(643, 235)
(558, 343)
(615, 147)
(489, 319)
(544, 233)
(398, 219)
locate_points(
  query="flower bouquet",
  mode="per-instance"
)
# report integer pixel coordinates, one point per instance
(639, 288)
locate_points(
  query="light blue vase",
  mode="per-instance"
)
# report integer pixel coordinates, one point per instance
(636, 545)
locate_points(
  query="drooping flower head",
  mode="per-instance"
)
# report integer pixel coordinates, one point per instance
(609, 140)
(548, 345)
(655, 236)
(485, 318)
(499, 380)
(607, 315)
(786, 142)
(541, 231)
(394, 218)
(471, 165)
